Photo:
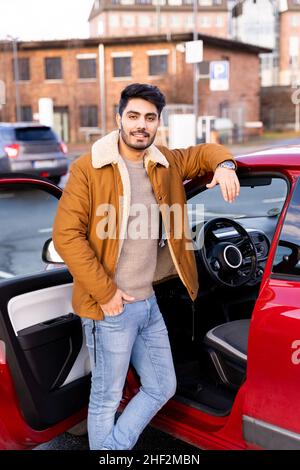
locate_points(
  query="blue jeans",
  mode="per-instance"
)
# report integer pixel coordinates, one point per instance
(139, 335)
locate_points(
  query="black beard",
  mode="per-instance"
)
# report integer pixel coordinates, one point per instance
(135, 147)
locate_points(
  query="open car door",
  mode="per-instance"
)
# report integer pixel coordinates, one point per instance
(271, 415)
(44, 363)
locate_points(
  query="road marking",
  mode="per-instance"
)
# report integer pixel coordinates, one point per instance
(45, 230)
(6, 196)
(6, 275)
(275, 199)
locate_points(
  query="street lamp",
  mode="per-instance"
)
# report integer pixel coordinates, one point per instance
(16, 73)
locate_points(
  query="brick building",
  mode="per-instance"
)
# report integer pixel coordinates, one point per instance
(289, 45)
(141, 17)
(84, 79)
(274, 24)
(279, 28)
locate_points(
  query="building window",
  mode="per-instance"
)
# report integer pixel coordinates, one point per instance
(266, 61)
(190, 21)
(175, 2)
(24, 69)
(224, 109)
(175, 21)
(100, 27)
(205, 21)
(144, 21)
(26, 113)
(89, 116)
(293, 50)
(87, 68)
(128, 21)
(158, 64)
(164, 20)
(121, 66)
(114, 21)
(219, 21)
(295, 20)
(53, 68)
(143, 2)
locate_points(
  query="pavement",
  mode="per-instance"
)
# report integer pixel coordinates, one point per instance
(255, 144)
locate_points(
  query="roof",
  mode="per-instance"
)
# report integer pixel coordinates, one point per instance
(108, 5)
(293, 5)
(156, 38)
(283, 157)
(21, 124)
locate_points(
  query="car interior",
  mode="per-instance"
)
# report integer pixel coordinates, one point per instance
(208, 337)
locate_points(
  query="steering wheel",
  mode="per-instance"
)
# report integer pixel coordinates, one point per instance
(228, 264)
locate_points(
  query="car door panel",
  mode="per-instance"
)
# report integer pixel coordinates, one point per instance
(44, 347)
(38, 316)
(41, 305)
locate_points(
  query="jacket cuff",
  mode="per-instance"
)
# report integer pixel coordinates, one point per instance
(109, 293)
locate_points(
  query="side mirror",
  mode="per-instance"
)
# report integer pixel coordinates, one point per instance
(49, 253)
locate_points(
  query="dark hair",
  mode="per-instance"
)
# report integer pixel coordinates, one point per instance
(144, 91)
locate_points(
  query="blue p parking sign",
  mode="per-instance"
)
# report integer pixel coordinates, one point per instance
(219, 75)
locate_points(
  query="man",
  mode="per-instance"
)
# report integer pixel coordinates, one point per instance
(114, 265)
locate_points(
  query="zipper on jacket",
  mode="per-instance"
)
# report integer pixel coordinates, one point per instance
(120, 217)
(94, 337)
(179, 271)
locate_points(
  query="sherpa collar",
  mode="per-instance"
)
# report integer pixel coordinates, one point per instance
(106, 151)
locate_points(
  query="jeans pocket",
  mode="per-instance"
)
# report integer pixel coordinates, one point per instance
(87, 325)
(115, 317)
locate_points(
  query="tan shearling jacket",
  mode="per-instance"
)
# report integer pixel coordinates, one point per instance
(101, 178)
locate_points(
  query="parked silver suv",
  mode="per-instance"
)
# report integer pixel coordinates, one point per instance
(32, 148)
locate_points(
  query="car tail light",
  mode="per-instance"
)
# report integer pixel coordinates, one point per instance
(63, 148)
(2, 352)
(12, 150)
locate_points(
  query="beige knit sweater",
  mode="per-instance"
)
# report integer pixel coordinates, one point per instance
(137, 263)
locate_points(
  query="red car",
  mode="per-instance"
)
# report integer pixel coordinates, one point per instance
(236, 349)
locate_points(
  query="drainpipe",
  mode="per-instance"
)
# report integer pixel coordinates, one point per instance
(102, 87)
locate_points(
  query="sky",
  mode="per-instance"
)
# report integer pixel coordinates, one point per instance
(44, 19)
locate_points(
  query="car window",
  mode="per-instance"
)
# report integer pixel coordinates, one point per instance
(26, 217)
(35, 133)
(264, 198)
(7, 134)
(258, 205)
(287, 255)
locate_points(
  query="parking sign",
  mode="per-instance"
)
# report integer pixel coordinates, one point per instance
(219, 75)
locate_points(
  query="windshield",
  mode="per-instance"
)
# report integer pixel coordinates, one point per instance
(35, 133)
(261, 200)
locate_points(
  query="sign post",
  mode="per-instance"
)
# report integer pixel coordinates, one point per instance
(194, 55)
